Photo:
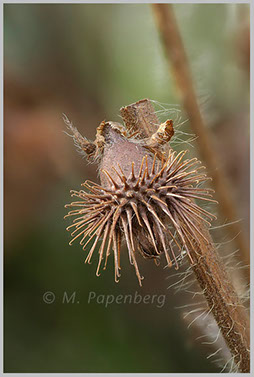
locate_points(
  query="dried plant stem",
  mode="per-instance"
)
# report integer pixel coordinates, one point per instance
(211, 275)
(178, 62)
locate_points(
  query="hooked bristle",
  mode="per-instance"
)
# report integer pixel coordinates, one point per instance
(153, 210)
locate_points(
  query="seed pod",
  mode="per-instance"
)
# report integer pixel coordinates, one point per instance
(142, 199)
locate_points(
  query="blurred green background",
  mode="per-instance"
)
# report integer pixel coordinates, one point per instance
(87, 61)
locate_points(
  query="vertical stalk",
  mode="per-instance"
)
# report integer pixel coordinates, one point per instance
(178, 62)
(222, 299)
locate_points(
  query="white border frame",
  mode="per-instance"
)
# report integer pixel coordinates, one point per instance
(251, 180)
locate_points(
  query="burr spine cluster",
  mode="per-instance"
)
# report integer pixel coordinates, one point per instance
(153, 211)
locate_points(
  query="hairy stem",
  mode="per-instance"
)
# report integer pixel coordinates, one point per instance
(178, 62)
(222, 299)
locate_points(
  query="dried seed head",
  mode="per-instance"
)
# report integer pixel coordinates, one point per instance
(146, 202)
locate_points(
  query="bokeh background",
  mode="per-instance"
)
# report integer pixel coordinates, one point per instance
(87, 61)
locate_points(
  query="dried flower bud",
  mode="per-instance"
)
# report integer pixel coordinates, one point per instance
(144, 200)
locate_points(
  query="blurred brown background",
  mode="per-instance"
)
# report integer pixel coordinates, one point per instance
(87, 61)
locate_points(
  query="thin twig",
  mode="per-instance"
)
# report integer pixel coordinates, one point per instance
(229, 313)
(178, 62)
